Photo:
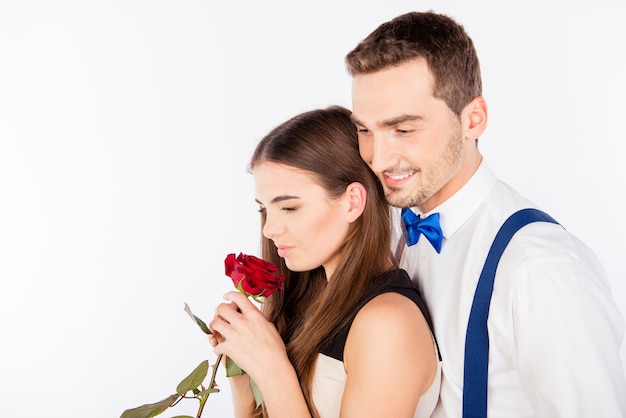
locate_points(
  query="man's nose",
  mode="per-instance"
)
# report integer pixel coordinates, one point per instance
(381, 153)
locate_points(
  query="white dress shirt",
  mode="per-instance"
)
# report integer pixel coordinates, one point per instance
(554, 329)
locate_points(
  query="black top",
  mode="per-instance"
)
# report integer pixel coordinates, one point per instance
(398, 281)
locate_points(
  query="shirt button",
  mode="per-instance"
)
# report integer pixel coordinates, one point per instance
(424, 258)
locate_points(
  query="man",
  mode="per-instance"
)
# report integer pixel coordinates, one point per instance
(554, 332)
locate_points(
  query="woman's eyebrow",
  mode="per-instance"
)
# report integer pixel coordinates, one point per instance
(278, 199)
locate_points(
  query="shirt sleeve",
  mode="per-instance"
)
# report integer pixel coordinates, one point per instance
(568, 333)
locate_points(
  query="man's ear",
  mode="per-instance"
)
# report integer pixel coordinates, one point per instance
(474, 118)
(356, 197)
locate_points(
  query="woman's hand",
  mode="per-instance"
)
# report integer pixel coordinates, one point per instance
(241, 332)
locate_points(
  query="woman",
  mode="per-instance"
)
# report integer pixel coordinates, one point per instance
(348, 336)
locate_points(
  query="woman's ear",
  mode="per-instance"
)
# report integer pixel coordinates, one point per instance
(356, 197)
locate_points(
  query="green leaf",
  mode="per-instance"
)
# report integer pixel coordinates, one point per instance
(208, 392)
(232, 369)
(150, 410)
(194, 379)
(198, 321)
(258, 396)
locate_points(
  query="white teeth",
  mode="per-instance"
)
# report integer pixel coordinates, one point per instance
(400, 177)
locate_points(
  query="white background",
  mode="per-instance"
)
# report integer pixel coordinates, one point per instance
(125, 129)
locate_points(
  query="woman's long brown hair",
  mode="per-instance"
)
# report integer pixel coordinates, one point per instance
(310, 308)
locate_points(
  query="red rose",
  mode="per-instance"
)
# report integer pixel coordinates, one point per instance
(253, 276)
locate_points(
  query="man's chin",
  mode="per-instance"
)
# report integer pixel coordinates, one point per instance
(399, 200)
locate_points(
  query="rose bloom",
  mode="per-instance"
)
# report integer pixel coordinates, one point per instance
(253, 276)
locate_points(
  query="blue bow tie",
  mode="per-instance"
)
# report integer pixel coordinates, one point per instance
(429, 226)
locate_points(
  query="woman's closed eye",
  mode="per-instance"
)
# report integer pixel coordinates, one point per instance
(262, 209)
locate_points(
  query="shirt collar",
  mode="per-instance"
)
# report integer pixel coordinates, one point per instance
(455, 211)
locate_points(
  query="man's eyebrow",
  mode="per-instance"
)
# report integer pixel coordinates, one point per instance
(279, 199)
(400, 119)
(391, 122)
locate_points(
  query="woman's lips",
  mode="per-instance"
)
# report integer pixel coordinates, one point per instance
(283, 250)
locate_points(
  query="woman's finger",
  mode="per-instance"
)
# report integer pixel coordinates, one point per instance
(212, 340)
(228, 312)
(239, 301)
(220, 326)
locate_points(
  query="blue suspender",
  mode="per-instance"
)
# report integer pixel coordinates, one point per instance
(477, 338)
